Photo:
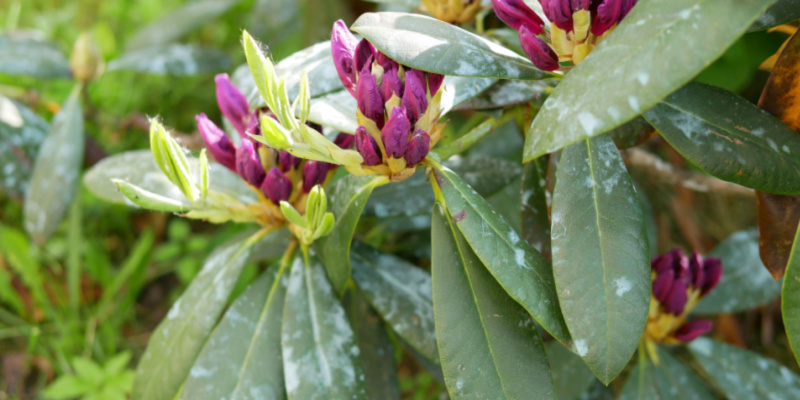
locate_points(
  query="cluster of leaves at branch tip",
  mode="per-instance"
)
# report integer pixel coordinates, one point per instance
(317, 221)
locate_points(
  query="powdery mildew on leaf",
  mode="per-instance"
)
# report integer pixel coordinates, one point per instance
(21, 134)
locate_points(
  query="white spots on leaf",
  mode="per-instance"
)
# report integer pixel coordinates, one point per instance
(581, 347)
(786, 150)
(643, 77)
(633, 102)
(589, 122)
(622, 286)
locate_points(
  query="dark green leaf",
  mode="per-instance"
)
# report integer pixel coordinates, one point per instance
(242, 358)
(16, 252)
(30, 56)
(743, 374)
(347, 197)
(320, 356)
(173, 60)
(783, 11)
(533, 205)
(745, 282)
(179, 22)
(459, 89)
(56, 172)
(401, 293)
(625, 75)
(790, 300)
(179, 338)
(669, 380)
(601, 260)
(571, 376)
(431, 45)
(488, 344)
(21, 135)
(730, 138)
(508, 93)
(632, 133)
(522, 271)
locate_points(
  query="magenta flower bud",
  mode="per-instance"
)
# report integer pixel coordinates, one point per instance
(516, 14)
(662, 285)
(661, 263)
(434, 82)
(415, 97)
(343, 45)
(277, 187)
(696, 270)
(314, 173)
(677, 297)
(364, 56)
(386, 62)
(608, 13)
(345, 140)
(287, 161)
(538, 51)
(625, 8)
(369, 98)
(559, 12)
(395, 134)
(418, 147)
(232, 103)
(248, 164)
(712, 273)
(691, 330)
(391, 84)
(217, 142)
(368, 147)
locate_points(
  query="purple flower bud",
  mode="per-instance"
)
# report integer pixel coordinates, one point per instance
(217, 142)
(369, 98)
(248, 164)
(364, 56)
(368, 147)
(712, 273)
(287, 161)
(625, 8)
(608, 13)
(391, 84)
(538, 51)
(515, 13)
(691, 330)
(662, 285)
(418, 147)
(434, 82)
(415, 99)
(676, 299)
(345, 140)
(560, 12)
(696, 270)
(232, 103)
(386, 62)
(395, 134)
(314, 173)
(277, 187)
(662, 263)
(343, 45)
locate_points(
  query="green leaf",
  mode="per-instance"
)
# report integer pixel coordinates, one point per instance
(570, 375)
(376, 350)
(336, 110)
(178, 339)
(16, 249)
(625, 75)
(242, 357)
(745, 282)
(743, 374)
(348, 196)
(56, 172)
(535, 215)
(401, 293)
(138, 168)
(782, 12)
(730, 138)
(172, 59)
(431, 45)
(790, 297)
(669, 380)
(522, 271)
(601, 260)
(631, 133)
(21, 135)
(508, 93)
(88, 370)
(179, 22)
(460, 89)
(488, 345)
(30, 56)
(150, 200)
(67, 387)
(117, 364)
(320, 356)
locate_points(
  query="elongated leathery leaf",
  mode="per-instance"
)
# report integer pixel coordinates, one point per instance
(488, 345)
(320, 356)
(743, 374)
(625, 75)
(173, 60)
(781, 12)
(22, 132)
(348, 196)
(730, 138)
(570, 375)
(178, 339)
(431, 45)
(790, 300)
(242, 358)
(30, 56)
(669, 380)
(533, 205)
(56, 172)
(400, 292)
(522, 271)
(601, 260)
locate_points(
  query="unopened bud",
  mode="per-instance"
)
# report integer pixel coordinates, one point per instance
(607, 15)
(516, 14)
(314, 173)
(369, 98)
(418, 147)
(367, 147)
(692, 330)
(217, 142)
(287, 161)
(434, 82)
(364, 56)
(248, 164)
(415, 99)
(86, 61)
(345, 140)
(276, 186)
(233, 104)
(391, 84)
(538, 51)
(343, 45)
(395, 134)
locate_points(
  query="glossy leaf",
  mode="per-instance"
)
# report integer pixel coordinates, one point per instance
(242, 357)
(179, 22)
(571, 376)
(488, 345)
(508, 93)
(632, 133)
(783, 11)
(533, 206)
(56, 171)
(730, 138)
(790, 297)
(173, 60)
(179, 338)
(347, 198)
(31, 56)
(320, 356)
(459, 89)
(745, 283)
(431, 45)
(336, 110)
(522, 271)
(21, 135)
(669, 380)
(623, 77)
(601, 261)
(401, 293)
(742, 374)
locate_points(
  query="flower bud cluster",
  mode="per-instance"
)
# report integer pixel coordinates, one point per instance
(398, 107)
(577, 26)
(679, 282)
(453, 11)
